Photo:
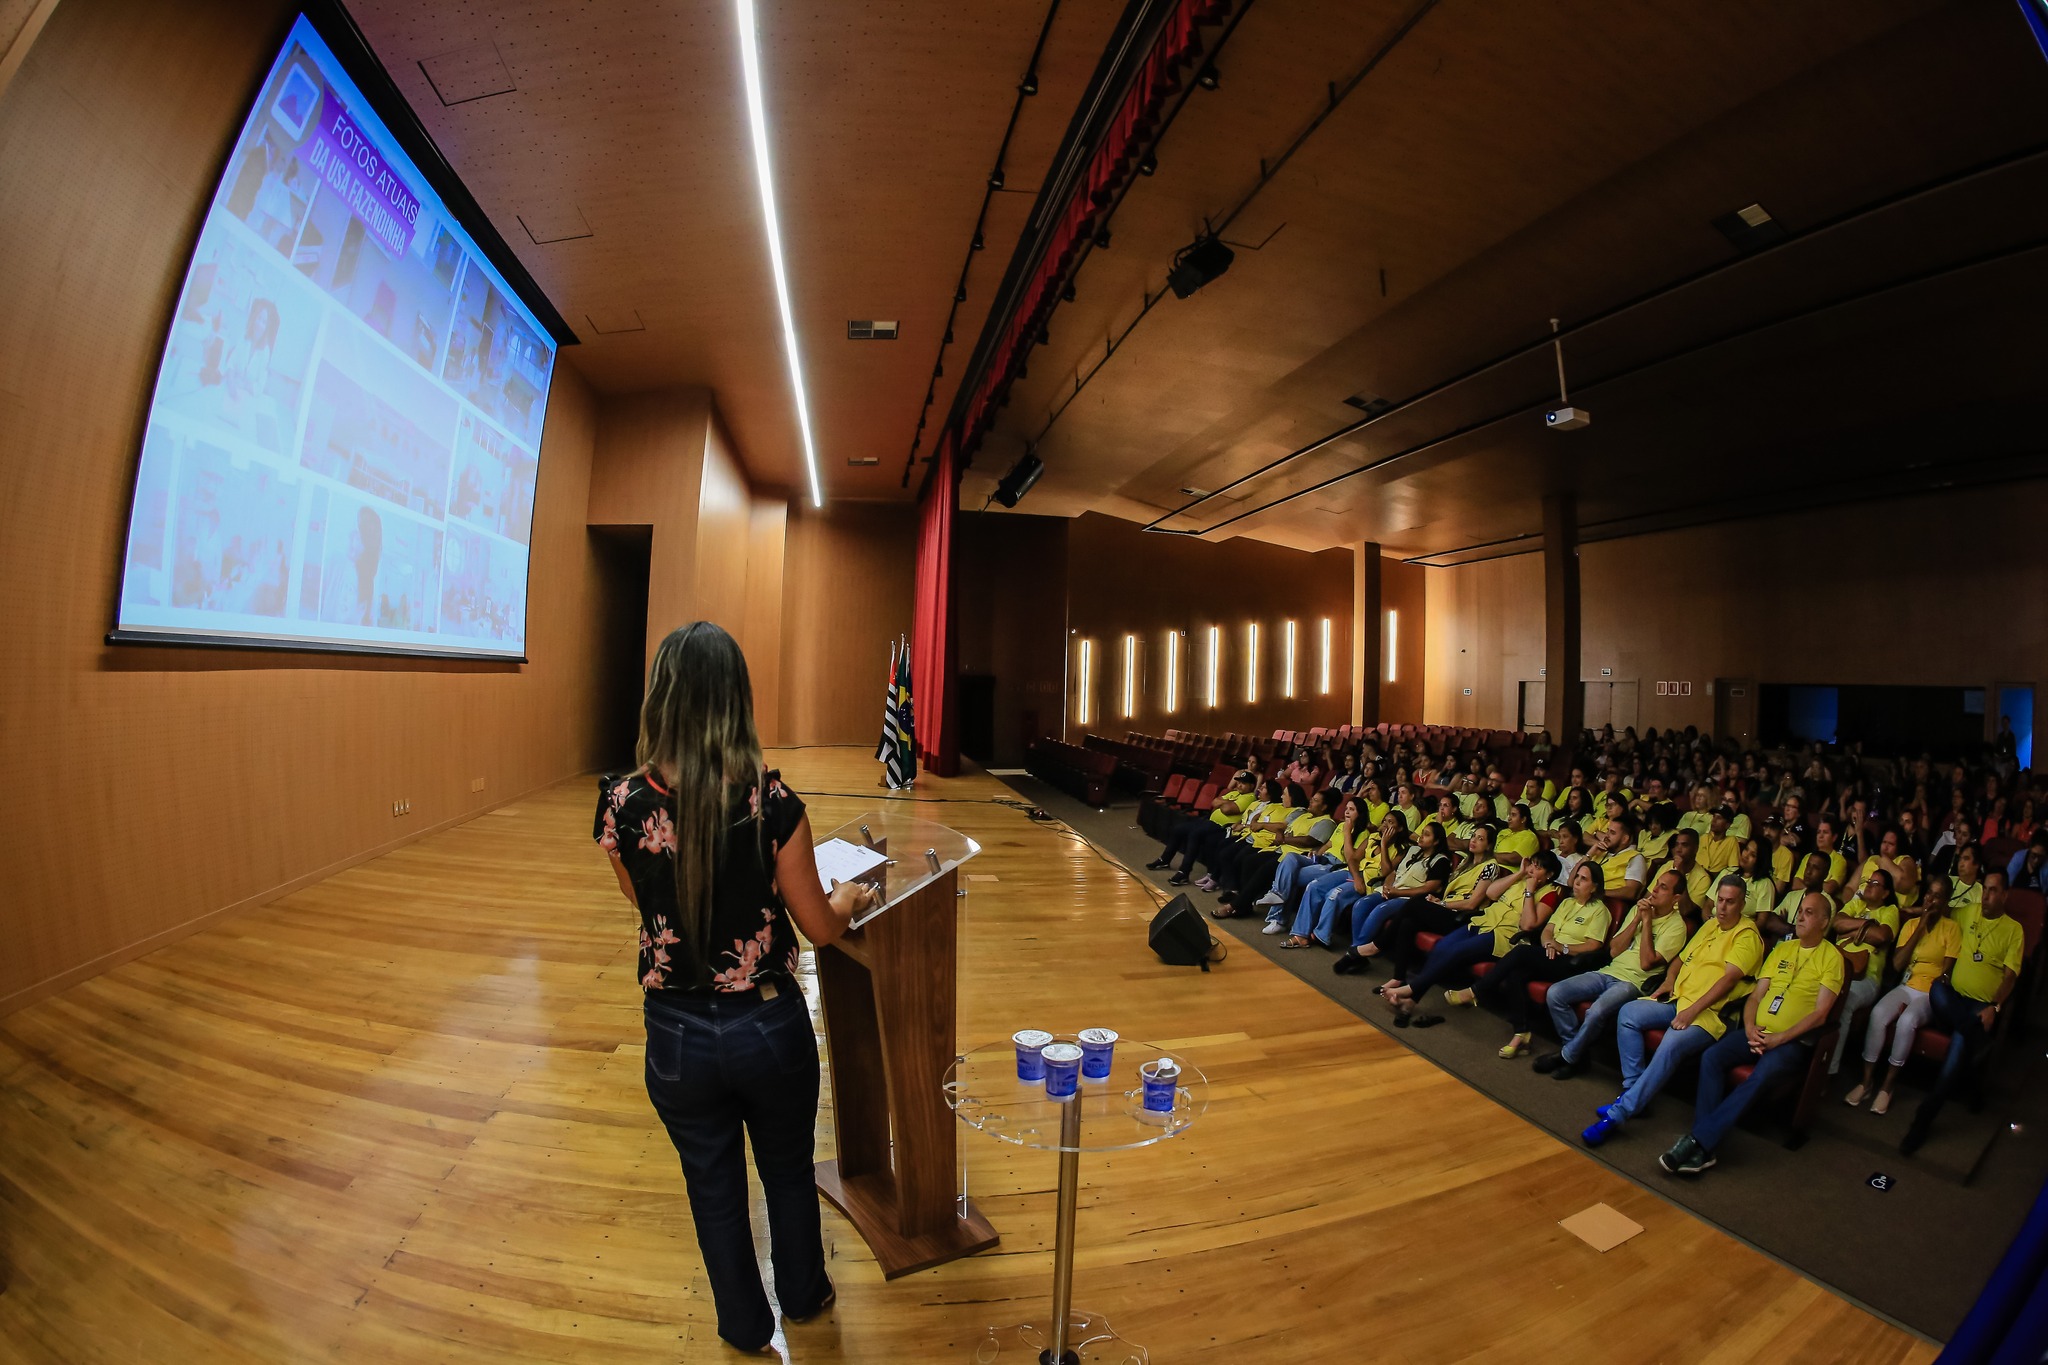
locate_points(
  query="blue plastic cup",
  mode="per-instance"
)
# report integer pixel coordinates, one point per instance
(1098, 1050)
(1062, 1070)
(1161, 1080)
(1031, 1044)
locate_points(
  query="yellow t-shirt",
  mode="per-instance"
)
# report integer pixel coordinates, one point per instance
(1614, 868)
(1463, 881)
(1520, 842)
(1266, 838)
(1738, 828)
(1230, 806)
(1458, 830)
(1653, 846)
(1335, 848)
(1719, 855)
(1788, 907)
(1838, 867)
(1964, 898)
(1374, 814)
(1759, 895)
(1468, 804)
(1540, 814)
(1858, 954)
(1371, 858)
(1667, 936)
(1923, 967)
(1698, 821)
(1905, 898)
(1503, 918)
(1577, 921)
(1988, 949)
(1704, 960)
(1796, 975)
(1781, 864)
(1549, 791)
(1412, 815)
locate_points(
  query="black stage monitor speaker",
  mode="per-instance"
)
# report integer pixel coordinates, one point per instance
(1179, 935)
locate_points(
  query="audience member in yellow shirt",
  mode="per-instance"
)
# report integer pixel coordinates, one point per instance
(1719, 848)
(1695, 883)
(1518, 903)
(1572, 939)
(1966, 883)
(1753, 865)
(1650, 936)
(1405, 807)
(1869, 921)
(1654, 843)
(1700, 816)
(1456, 828)
(1967, 998)
(1927, 945)
(1196, 836)
(1795, 989)
(1827, 839)
(1813, 875)
(1517, 843)
(1540, 810)
(1714, 969)
(1622, 868)
(1900, 867)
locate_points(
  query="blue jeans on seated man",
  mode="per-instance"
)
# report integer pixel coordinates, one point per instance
(718, 1066)
(1326, 904)
(1603, 993)
(1949, 1008)
(1296, 871)
(1717, 1109)
(1642, 1078)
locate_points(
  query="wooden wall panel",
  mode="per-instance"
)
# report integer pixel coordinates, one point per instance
(1935, 590)
(846, 593)
(725, 517)
(1121, 579)
(767, 540)
(1013, 621)
(1486, 635)
(649, 471)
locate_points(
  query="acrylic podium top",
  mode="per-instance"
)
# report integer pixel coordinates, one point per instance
(982, 1088)
(919, 851)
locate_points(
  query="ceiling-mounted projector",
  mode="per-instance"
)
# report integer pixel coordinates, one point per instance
(1567, 419)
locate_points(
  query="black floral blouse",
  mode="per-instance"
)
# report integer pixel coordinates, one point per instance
(751, 937)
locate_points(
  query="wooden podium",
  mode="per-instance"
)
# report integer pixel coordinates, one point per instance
(889, 992)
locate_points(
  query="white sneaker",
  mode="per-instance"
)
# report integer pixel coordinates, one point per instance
(1270, 898)
(1274, 926)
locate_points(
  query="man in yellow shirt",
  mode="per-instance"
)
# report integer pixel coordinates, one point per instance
(1188, 838)
(1541, 812)
(1622, 866)
(1720, 850)
(1651, 935)
(1795, 989)
(1695, 883)
(1967, 998)
(1713, 969)
(1700, 813)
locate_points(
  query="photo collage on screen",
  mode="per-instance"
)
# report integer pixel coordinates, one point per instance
(344, 440)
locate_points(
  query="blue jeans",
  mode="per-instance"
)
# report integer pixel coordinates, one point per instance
(1460, 948)
(1322, 901)
(1295, 872)
(1641, 1081)
(1949, 1008)
(1370, 915)
(718, 1066)
(1606, 996)
(1717, 1110)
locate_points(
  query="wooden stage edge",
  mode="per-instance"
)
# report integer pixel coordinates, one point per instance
(399, 1114)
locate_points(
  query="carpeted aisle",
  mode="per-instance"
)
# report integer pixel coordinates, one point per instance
(1917, 1252)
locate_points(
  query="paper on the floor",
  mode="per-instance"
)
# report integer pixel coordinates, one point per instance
(839, 861)
(1600, 1227)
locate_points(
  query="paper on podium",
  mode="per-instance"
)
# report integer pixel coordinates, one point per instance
(839, 861)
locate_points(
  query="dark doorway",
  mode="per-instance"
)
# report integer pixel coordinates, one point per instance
(978, 717)
(622, 555)
(1885, 719)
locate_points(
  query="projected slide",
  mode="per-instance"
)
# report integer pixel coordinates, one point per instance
(345, 434)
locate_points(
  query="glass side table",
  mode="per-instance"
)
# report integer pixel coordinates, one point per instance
(1106, 1115)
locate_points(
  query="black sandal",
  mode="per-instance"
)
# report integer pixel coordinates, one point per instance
(1426, 1021)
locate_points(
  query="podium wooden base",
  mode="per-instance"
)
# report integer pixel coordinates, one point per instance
(870, 1204)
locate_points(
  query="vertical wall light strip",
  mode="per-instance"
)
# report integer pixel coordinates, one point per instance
(1251, 664)
(1215, 667)
(1393, 645)
(1130, 676)
(1087, 678)
(1325, 688)
(757, 115)
(1288, 688)
(1172, 671)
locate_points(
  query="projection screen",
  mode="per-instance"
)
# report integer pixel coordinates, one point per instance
(344, 438)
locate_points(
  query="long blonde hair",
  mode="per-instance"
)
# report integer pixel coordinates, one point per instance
(697, 731)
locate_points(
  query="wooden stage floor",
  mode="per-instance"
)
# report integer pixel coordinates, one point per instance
(398, 1116)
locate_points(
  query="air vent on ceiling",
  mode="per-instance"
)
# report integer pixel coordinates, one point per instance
(1368, 404)
(1750, 229)
(870, 330)
(469, 73)
(1195, 492)
(863, 461)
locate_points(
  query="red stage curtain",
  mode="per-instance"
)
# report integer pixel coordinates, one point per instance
(934, 652)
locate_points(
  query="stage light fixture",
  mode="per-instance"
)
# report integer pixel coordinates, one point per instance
(995, 178)
(1149, 165)
(757, 118)
(1197, 264)
(1102, 239)
(960, 293)
(1068, 292)
(1209, 78)
(947, 340)
(977, 244)
(1021, 477)
(1030, 85)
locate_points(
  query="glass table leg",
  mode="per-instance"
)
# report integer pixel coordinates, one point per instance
(1090, 1341)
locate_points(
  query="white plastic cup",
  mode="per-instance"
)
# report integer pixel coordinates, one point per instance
(1031, 1044)
(1062, 1070)
(1098, 1050)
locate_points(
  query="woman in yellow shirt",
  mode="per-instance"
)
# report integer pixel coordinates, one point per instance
(1572, 940)
(1928, 942)
(1516, 904)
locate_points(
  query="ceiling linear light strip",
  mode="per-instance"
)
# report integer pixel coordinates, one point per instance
(1026, 87)
(1932, 273)
(1650, 296)
(1068, 234)
(757, 117)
